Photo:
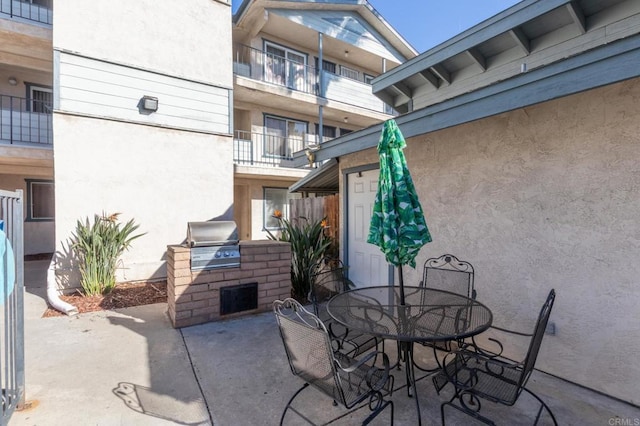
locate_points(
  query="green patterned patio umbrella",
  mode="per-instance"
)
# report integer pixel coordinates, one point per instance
(397, 225)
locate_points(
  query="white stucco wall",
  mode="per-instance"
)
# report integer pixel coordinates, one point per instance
(162, 178)
(160, 173)
(185, 39)
(539, 198)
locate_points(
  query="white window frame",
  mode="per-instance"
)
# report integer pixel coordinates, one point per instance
(349, 73)
(290, 80)
(32, 201)
(287, 139)
(31, 91)
(270, 206)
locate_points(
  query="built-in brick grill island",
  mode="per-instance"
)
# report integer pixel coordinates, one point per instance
(215, 276)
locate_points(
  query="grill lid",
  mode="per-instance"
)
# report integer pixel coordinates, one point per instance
(212, 233)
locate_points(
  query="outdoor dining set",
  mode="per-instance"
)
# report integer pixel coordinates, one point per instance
(337, 345)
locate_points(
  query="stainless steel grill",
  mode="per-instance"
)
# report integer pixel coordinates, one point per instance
(214, 244)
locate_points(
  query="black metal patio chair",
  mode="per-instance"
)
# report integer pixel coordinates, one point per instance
(447, 273)
(328, 278)
(343, 379)
(479, 373)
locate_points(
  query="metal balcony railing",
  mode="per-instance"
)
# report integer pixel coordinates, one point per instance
(347, 88)
(263, 66)
(32, 10)
(25, 121)
(263, 149)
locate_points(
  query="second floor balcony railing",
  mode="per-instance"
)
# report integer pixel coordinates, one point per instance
(264, 149)
(270, 68)
(32, 10)
(25, 121)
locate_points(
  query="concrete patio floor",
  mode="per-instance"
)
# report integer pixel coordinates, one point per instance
(130, 367)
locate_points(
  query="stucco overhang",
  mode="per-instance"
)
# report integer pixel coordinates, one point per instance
(606, 53)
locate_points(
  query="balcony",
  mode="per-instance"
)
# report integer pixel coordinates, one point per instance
(269, 68)
(265, 150)
(32, 10)
(25, 122)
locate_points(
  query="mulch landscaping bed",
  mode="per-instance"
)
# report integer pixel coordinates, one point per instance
(124, 295)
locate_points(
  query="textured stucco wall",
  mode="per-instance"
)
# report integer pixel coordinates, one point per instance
(539, 198)
(150, 34)
(160, 177)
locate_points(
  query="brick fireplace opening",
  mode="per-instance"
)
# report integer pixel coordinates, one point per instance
(196, 297)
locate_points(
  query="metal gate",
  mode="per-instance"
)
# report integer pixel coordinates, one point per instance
(11, 303)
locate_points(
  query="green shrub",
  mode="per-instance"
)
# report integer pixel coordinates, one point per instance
(98, 246)
(308, 246)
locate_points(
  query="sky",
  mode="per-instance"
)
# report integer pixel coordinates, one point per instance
(427, 23)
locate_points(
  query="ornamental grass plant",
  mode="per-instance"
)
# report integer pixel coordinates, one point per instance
(309, 245)
(98, 246)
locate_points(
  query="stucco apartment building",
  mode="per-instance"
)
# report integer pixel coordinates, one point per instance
(140, 116)
(109, 107)
(523, 139)
(302, 76)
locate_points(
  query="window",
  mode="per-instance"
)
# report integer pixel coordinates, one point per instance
(327, 66)
(345, 131)
(283, 136)
(327, 131)
(349, 73)
(40, 201)
(276, 199)
(39, 98)
(284, 66)
(368, 78)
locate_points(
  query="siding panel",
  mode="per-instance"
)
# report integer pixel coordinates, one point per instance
(93, 87)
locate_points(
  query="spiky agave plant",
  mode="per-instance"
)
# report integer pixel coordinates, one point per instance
(98, 246)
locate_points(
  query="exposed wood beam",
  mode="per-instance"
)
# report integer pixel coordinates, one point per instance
(404, 89)
(442, 73)
(577, 16)
(521, 39)
(477, 58)
(428, 75)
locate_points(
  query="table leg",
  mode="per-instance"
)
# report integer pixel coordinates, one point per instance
(407, 350)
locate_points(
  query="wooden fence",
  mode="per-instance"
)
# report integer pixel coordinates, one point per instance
(317, 209)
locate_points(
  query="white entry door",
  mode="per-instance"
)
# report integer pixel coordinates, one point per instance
(367, 265)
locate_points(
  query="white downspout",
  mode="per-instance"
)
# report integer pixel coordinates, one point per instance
(52, 291)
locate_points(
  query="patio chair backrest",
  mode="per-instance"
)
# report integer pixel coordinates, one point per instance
(448, 273)
(327, 278)
(536, 339)
(308, 347)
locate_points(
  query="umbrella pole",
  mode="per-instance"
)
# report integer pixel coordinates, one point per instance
(401, 281)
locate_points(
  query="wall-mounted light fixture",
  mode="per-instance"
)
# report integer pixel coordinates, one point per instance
(346, 53)
(149, 103)
(13, 81)
(346, 119)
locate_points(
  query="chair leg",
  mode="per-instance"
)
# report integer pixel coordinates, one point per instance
(378, 411)
(290, 401)
(542, 405)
